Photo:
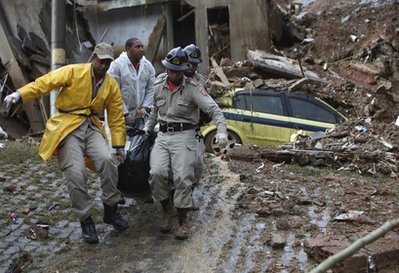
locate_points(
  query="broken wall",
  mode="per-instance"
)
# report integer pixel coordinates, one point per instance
(118, 25)
(248, 27)
(22, 18)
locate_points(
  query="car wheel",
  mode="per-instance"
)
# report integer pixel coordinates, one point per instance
(212, 147)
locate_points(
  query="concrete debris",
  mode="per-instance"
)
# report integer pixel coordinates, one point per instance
(3, 134)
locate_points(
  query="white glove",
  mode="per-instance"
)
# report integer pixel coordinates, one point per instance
(221, 139)
(11, 99)
(146, 134)
(120, 154)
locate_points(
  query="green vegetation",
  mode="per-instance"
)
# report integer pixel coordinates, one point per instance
(17, 152)
(304, 170)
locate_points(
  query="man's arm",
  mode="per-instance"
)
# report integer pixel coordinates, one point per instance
(149, 92)
(46, 83)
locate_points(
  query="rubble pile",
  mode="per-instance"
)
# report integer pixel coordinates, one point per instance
(354, 50)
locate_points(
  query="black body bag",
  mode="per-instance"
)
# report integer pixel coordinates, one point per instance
(134, 171)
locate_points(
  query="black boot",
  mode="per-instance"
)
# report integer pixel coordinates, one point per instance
(122, 200)
(89, 231)
(111, 216)
(168, 212)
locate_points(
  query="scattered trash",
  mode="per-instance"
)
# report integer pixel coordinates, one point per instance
(371, 264)
(354, 38)
(25, 210)
(397, 121)
(38, 232)
(319, 145)
(2, 145)
(386, 143)
(361, 128)
(14, 217)
(276, 166)
(260, 167)
(350, 216)
(307, 40)
(345, 19)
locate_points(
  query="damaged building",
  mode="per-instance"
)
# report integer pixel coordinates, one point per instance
(221, 28)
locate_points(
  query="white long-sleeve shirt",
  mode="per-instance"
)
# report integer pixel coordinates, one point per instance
(137, 87)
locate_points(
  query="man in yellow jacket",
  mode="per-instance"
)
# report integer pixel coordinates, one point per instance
(76, 133)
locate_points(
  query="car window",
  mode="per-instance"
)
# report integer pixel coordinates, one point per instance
(268, 104)
(306, 109)
(240, 102)
(260, 103)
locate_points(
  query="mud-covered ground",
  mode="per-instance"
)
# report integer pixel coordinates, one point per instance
(258, 212)
(255, 216)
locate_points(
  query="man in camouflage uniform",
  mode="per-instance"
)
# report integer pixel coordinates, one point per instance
(177, 102)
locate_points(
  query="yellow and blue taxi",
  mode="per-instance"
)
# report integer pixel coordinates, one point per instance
(269, 117)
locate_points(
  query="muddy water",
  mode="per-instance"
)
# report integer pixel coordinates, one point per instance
(223, 239)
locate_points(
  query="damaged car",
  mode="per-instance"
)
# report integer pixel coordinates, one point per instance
(270, 117)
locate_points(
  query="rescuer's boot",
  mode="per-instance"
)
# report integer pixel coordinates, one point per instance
(112, 216)
(89, 231)
(181, 232)
(168, 212)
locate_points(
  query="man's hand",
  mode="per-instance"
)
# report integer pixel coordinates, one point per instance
(129, 120)
(221, 139)
(146, 134)
(11, 99)
(120, 154)
(142, 112)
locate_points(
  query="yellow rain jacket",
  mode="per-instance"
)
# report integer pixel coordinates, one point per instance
(74, 103)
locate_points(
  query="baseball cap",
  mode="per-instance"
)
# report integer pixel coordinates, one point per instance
(104, 51)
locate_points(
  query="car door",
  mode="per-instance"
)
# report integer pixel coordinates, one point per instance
(270, 123)
(239, 117)
(311, 115)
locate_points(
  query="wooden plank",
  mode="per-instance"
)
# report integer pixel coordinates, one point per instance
(280, 66)
(155, 39)
(185, 15)
(219, 72)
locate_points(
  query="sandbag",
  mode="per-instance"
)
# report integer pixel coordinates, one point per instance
(134, 171)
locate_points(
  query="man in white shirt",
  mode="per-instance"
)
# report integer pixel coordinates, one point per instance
(135, 76)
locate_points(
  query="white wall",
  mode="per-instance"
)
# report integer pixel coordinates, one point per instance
(123, 24)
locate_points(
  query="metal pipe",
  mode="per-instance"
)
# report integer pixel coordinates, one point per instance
(57, 43)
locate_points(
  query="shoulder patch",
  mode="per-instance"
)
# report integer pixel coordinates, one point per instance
(202, 90)
(192, 81)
